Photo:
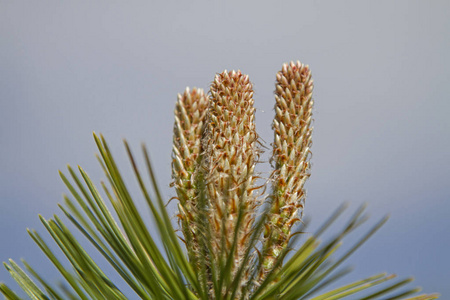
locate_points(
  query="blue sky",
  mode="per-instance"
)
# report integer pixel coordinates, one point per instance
(382, 132)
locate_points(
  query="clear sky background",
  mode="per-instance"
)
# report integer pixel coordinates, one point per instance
(382, 106)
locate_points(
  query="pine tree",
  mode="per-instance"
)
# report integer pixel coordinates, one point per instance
(235, 242)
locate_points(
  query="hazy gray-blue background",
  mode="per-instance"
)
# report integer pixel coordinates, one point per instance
(382, 125)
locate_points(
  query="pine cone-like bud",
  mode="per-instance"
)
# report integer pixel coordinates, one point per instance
(190, 116)
(291, 149)
(230, 158)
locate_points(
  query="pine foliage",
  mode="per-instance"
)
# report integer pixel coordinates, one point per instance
(233, 241)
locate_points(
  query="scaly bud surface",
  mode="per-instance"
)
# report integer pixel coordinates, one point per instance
(190, 116)
(291, 149)
(230, 157)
